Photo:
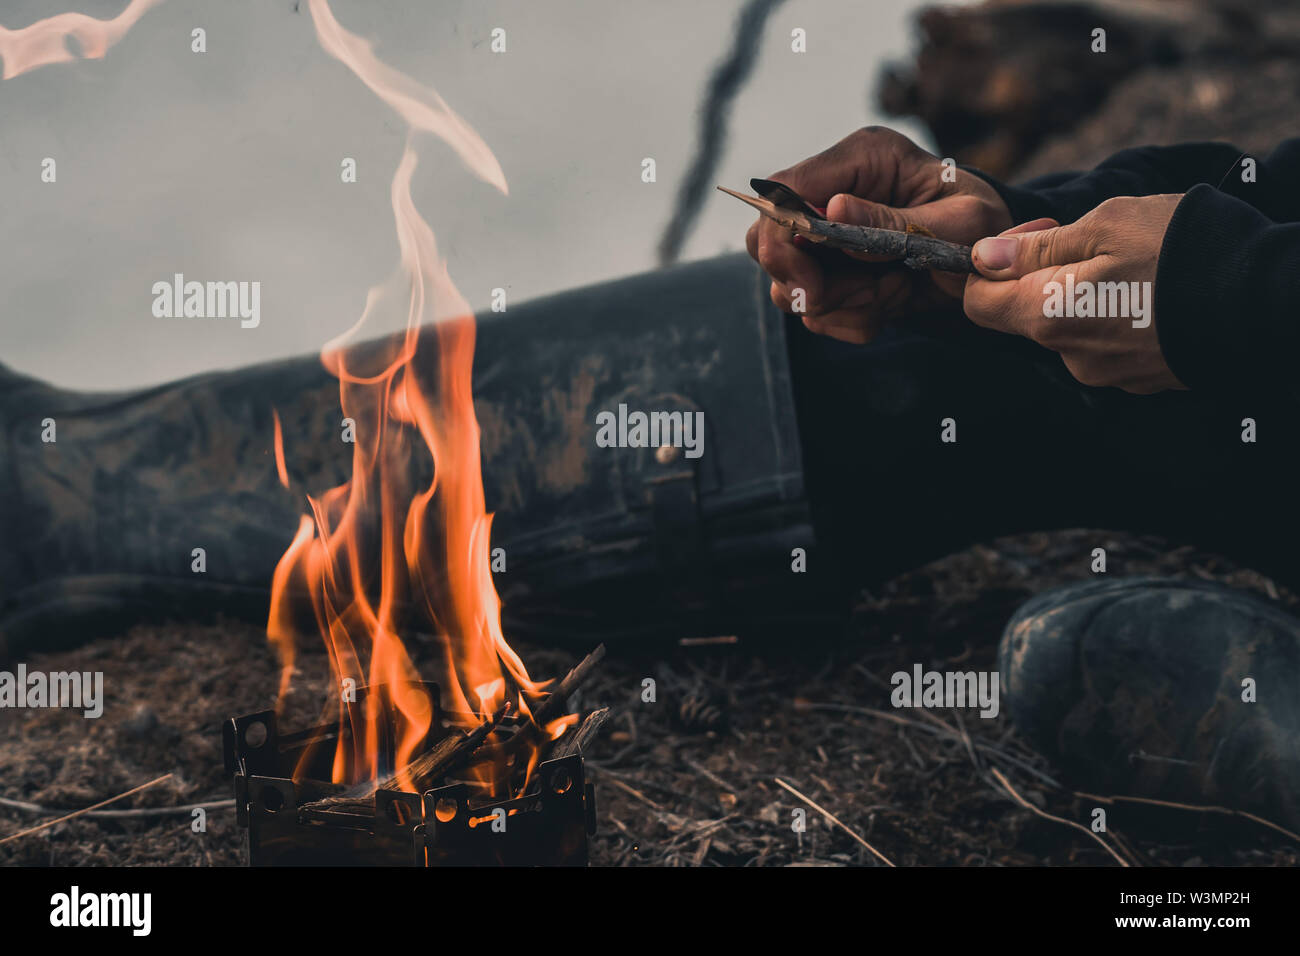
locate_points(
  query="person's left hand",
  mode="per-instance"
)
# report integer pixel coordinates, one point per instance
(1084, 290)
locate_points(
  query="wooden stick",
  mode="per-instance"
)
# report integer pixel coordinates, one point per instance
(833, 819)
(636, 793)
(1197, 808)
(180, 810)
(553, 705)
(453, 750)
(908, 722)
(575, 742)
(917, 251)
(712, 777)
(425, 769)
(1047, 816)
(419, 766)
(77, 813)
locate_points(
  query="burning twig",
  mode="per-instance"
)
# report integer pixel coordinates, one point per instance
(553, 705)
(455, 750)
(584, 735)
(425, 769)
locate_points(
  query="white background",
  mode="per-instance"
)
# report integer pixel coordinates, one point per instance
(225, 165)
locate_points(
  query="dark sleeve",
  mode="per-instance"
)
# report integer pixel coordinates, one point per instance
(1150, 170)
(1227, 296)
(1227, 292)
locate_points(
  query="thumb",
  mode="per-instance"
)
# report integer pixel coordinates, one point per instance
(1019, 253)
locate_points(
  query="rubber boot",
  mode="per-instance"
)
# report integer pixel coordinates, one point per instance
(101, 524)
(1171, 689)
(825, 467)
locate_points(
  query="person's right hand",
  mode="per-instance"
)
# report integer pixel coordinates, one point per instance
(874, 177)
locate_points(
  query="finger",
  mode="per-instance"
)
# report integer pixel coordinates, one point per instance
(878, 292)
(1020, 306)
(845, 284)
(864, 163)
(784, 262)
(850, 285)
(1013, 256)
(1034, 225)
(954, 284)
(856, 332)
(867, 310)
(1015, 306)
(860, 299)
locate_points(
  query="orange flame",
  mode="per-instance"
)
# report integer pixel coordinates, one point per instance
(556, 728)
(378, 556)
(281, 468)
(46, 41)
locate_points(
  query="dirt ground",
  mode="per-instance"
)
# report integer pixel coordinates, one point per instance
(687, 780)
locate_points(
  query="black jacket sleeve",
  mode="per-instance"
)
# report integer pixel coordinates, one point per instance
(1227, 292)
(1227, 296)
(1268, 184)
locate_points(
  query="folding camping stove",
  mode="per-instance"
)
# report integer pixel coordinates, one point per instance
(287, 825)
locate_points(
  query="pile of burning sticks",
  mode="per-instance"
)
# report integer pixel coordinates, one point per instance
(440, 810)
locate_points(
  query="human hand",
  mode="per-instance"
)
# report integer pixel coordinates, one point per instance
(1085, 290)
(873, 177)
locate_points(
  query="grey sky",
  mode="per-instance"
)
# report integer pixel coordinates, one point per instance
(225, 165)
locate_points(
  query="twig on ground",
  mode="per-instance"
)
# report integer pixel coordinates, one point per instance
(833, 819)
(632, 791)
(1191, 806)
(711, 776)
(1047, 816)
(675, 792)
(907, 722)
(970, 746)
(139, 813)
(78, 813)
